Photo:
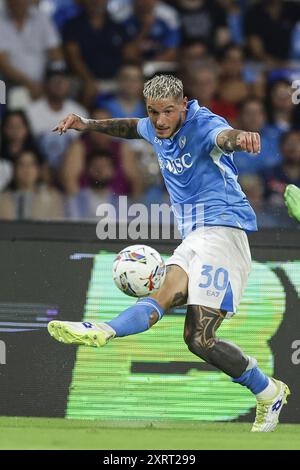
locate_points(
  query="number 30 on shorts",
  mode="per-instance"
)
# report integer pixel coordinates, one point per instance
(219, 277)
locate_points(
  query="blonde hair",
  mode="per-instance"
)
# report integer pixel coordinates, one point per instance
(162, 87)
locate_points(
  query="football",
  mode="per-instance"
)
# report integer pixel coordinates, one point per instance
(139, 270)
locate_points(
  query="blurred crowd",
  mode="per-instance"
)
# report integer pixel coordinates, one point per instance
(239, 58)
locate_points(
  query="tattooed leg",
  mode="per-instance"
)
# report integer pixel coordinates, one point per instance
(201, 324)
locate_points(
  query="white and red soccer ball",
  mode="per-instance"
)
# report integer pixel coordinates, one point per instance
(139, 270)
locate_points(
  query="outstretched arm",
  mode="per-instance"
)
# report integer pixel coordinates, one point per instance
(234, 139)
(125, 128)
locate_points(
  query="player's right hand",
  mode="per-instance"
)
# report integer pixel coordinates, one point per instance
(72, 121)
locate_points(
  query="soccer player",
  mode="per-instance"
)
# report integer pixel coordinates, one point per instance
(292, 201)
(209, 269)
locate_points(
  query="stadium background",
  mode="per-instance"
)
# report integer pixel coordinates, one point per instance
(239, 58)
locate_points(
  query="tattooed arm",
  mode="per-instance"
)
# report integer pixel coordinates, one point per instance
(126, 128)
(234, 139)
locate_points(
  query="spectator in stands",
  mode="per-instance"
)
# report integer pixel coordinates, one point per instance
(27, 39)
(201, 83)
(281, 105)
(94, 45)
(253, 118)
(294, 52)
(100, 171)
(253, 187)
(192, 52)
(44, 114)
(233, 88)
(203, 20)
(153, 32)
(232, 11)
(65, 11)
(281, 109)
(120, 9)
(268, 26)
(128, 101)
(27, 197)
(127, 180)
(277, 178)
(6, 173)
(16, 135)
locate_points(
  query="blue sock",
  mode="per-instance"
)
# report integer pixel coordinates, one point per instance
(254, 379)
(136, 319)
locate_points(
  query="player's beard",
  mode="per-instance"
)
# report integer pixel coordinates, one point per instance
(180, 122)
(177, 127)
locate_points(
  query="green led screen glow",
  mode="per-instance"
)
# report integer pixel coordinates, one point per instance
(152, 375)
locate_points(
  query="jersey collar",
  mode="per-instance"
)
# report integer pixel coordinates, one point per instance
(193, 107)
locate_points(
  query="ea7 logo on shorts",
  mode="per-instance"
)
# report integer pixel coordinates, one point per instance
(86, 324)
(276, 405)
(178, 165)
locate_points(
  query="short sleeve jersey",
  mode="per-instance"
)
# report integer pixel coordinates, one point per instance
(200, 178)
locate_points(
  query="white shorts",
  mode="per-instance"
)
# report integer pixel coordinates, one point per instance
(217, 261)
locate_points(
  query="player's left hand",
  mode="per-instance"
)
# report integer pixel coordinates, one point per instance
(248, 142)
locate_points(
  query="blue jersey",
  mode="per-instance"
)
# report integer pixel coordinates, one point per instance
(200, 178)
